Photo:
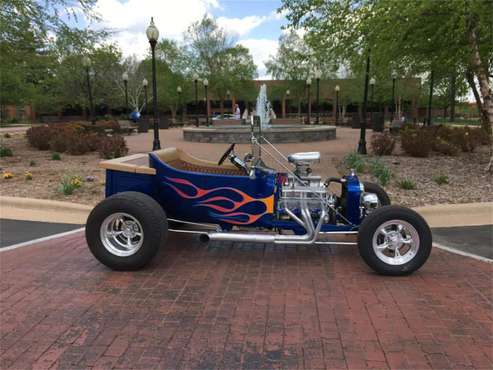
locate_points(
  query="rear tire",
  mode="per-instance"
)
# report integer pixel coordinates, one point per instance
(394, 240)
(383, 197)
(126, 230)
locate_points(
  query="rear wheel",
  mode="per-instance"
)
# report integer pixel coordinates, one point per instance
(383, 197)
(126, 230)
(394, 240)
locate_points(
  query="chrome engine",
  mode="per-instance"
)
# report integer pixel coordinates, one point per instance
(304, 191)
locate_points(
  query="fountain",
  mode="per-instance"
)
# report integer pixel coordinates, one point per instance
(278, 133)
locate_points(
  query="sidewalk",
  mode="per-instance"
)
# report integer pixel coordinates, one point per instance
(241, 306)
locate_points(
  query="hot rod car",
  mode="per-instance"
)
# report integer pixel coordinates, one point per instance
(148, 195)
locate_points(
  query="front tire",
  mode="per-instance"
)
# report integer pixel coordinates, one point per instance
(394, 240)
(126, 230)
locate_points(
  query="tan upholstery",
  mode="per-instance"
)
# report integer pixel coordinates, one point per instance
(176, 158)
(180, 160)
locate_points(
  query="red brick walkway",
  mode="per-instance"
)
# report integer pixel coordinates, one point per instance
(225, 306)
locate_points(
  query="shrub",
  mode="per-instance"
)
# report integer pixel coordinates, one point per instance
(69, 184)
(28, 176)
(354, 161)
(441, 179)
(40, 136)
(416, 142)
(466, 138)
(8, 175)
(407, 184)
(7, 135)
(32, 163)
(382, 143)
(445, 147)
(381, 172)
(5, 152)
(112, 147)
(56, 157)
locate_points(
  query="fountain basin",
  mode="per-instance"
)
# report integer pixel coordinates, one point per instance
(275, 134)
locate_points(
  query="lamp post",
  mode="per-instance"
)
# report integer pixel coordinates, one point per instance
(362, 136)
(152, 35)
(288, 92)
(125, 83)
(430, 98)
(372, 88)
(178, 91)
(206, 84)
(144, 85)
(195, 81)
(394, 77)
(86, 62)
(317, 73)
(308, 86)
(337, 88)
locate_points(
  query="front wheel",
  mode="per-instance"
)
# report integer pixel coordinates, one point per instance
(126, 230)
(394, 240)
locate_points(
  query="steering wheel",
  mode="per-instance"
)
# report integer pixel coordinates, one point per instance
(226, 154)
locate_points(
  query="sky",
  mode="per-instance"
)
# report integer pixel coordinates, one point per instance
(255, 23)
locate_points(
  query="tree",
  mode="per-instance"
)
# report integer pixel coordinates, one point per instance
(412, 37)
(212, 54)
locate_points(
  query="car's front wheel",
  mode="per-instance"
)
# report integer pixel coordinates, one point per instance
(126, 230)
(394, 240)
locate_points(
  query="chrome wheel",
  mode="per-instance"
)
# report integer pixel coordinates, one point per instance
(121, 234)
(396, 242)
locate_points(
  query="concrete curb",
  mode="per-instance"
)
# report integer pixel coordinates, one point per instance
(29, 209)
(450, 215)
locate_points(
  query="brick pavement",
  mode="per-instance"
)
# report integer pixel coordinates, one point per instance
(241, 306)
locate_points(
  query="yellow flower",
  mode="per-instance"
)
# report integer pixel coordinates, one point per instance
(28, 175)
(8, 175)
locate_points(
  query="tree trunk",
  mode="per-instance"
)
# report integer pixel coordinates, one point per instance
(481, 73)
(221, 108)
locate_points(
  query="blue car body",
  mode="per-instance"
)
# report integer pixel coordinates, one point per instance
(225, 200)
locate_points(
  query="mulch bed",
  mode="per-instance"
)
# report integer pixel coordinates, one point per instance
(468, 181)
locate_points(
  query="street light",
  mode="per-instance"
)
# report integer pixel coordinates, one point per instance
(337, 88)
(308, 86)
(195, 78)
(392, 109)
(317, 73)
(152, 35)
(206, 83)
(362, 135)
(86, 62)
(125, 83)
(372, 87)
(178, 90)
(144, 84)
(286, 100)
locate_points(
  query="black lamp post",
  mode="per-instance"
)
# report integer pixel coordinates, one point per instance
(206, 84)
(318, 74)
(153, 35)
(195, 81)
(394, 77)
(286, 100)
(337, 88)
(362, 136)
(144, 85)
(430, 98)
(178, 91)
(372, 102)
(125, 83)
(86, 62)
(309, 92)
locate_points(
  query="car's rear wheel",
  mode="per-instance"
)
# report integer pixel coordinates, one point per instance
(126, 230)
(394, 240)
(383, 197)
